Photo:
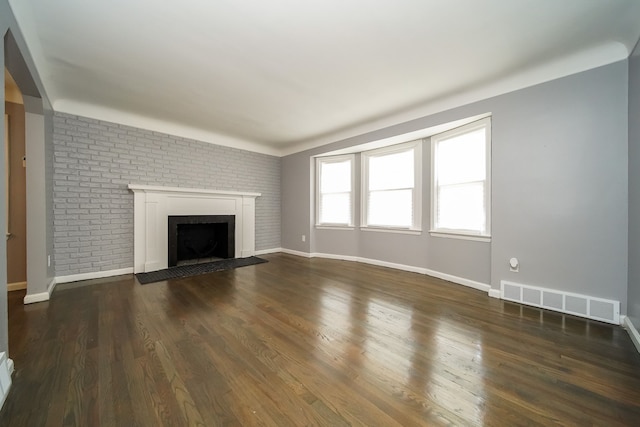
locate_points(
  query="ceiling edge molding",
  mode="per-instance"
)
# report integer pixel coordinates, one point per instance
(572, 64)
(142, 122)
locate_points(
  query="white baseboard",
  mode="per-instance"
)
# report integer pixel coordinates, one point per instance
(460, 280)
(41, 296)
(297, 253)
(268, 251)
(94, 275)
(448, 277)
(45, 296)
(334, 256)
(17, 286)
(494, 293)
(633, 332)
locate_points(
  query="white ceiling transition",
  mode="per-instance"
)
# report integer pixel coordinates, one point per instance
(278, 76)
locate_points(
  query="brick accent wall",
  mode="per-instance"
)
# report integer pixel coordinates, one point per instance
(94, 161)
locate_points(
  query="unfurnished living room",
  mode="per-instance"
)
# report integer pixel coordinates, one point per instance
(320, 213)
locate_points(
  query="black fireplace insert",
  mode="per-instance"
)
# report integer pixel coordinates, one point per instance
(203, 238)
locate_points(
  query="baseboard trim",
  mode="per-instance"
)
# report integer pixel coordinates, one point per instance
(94, 275)
(52, 286)
(494, 293)
(17, 286)
(413, 269)
(460, 280)
(297, 253)
(45, 296)
(633, 332)
(334, 256)
(268, 251)
(41, 296)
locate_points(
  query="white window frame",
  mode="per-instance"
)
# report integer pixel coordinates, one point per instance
(416, 226)
(335, 159)
(457, 233)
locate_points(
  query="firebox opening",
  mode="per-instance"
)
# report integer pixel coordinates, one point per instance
(197, 239)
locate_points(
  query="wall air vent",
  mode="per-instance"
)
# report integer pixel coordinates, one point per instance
(565, 302)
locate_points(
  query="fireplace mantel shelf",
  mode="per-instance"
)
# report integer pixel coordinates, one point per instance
(184, 190)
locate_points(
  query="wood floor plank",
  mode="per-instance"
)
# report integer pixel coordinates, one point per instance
(181, 393)
(299, 341)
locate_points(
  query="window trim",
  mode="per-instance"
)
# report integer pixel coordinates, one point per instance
(485, 124)
(416, 227)
(335, 159)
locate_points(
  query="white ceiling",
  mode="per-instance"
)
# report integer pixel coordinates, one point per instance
(278, 76)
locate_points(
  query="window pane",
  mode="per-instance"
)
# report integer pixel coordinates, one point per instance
(461, 158)
(461, 207)
(335, 208)
(335, 177)
(391, 208)
(391, 171)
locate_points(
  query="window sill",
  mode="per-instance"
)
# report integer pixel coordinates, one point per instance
(415, 232)
(334, 227)
(460, 236)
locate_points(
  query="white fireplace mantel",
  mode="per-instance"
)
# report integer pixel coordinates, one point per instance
(153, 205)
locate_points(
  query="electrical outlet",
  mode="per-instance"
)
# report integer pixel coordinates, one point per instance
(304, 238)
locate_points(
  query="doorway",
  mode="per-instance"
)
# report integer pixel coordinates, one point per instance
(15, 179)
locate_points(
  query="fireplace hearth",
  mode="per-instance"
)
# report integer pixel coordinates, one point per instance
(200, 238)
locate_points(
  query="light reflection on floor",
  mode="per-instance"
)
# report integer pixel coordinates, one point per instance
(430, 364)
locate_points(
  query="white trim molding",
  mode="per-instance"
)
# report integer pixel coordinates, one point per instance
(334, 256)
(494, 293)
(94, 275)
(413, 269)
(296, 253)
(268, 251)
(41, 296)
(633, 332)
(460, 280)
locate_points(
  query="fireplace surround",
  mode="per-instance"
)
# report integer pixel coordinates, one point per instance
(153, 205)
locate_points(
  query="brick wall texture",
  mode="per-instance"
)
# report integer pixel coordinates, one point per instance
(93, 163)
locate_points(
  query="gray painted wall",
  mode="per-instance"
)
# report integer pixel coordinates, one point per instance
(559, 189)
(633, 303)
(94, 161)
(560, 184)
(37, 280)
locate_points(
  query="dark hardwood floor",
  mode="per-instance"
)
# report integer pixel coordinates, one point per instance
(298, 342)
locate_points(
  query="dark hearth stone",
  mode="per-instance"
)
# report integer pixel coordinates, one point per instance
(196, 269)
